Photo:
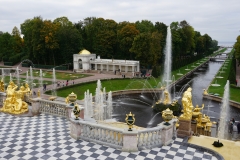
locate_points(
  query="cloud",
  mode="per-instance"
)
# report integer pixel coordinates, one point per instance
(217, 18)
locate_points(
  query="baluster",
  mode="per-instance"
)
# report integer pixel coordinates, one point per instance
(112, 136)
(97, 134)
(104, 135)
(140, 139)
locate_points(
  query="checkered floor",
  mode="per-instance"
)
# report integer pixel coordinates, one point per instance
(47, 137)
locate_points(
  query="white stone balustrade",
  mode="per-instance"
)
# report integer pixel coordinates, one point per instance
(97, 133)
(53, 108)
(129, 141)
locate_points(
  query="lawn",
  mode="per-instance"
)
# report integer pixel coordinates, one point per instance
(59, 75)
(23, 80)
(234, 91)
(124, 84)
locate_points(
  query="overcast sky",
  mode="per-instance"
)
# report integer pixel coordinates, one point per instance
(218, 18)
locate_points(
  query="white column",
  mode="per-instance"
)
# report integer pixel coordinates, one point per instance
(101, 67)
(95, 66)
(126, 69)
(107, 68)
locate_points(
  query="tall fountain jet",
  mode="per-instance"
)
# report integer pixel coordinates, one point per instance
(168, 59)
(223, 125)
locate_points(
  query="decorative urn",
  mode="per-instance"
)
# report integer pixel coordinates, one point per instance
(72, 98)
(130, 120)
(167, 115)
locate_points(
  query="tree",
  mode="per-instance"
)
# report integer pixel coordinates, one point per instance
(48, 33)
(5, 46)
(237, 49)
(147, 48)
(144, 26)
(125, 38)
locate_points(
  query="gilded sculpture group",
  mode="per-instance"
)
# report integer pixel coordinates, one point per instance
(14, 103)
(191, 113)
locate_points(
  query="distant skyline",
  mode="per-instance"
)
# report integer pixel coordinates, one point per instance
(218, 18)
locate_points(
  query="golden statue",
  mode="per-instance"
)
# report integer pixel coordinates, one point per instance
(14, 103)
(197, 115)
(205, 92)
(67, 100)
(187, 105)
(76, 111)
(2, 86)
(166, 97)
(38, 93)
(167, 115)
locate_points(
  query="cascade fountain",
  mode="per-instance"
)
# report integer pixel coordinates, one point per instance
(165, 100)
(10, 77)
(102, 108)
(27, 78)
(88, 111)
(224, 116)
(168, 58)
(40, 79)
(17, 76)
(3, 76)
(54, 93)
(31, 77)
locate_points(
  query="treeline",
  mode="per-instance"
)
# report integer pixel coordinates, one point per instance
(237, 49)
(54, 42)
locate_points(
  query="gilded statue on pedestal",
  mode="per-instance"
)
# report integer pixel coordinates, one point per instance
(2, 86)
(197, 115)
(14, 102)
(187, 104)
(205, 92)
(166, 97)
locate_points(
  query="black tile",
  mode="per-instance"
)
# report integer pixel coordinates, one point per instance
(189, 152)
(169, 156)
(120, 157)
(94, 155)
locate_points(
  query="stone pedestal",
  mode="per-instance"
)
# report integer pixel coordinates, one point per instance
(184, 129)
(200, 130)
(167, 134)
(130, 141)
(35, 106)
(75, 129)
(3, 96)
(194, 126)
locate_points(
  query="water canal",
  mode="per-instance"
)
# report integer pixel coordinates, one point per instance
(140, 104)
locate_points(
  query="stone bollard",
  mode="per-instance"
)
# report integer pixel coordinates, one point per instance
(35, 106)
(3, 96)
(168, 132)
(130, 141)
(75, 129)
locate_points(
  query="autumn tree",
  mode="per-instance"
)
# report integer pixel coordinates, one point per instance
(126, 37)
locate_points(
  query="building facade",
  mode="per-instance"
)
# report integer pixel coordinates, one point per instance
(85, 61)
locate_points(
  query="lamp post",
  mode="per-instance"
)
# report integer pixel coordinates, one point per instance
(130, 120)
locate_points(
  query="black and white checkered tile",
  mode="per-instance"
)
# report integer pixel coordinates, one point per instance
(47, 137)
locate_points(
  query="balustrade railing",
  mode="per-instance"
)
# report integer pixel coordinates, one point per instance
(101, 134)
(53, 108)
(150, 138)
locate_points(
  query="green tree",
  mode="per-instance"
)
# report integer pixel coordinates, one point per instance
(237, 49)
(5, 46)
(125, 38)
(49, 34)
(144, 26)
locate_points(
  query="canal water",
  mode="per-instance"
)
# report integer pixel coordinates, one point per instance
(140, 104)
